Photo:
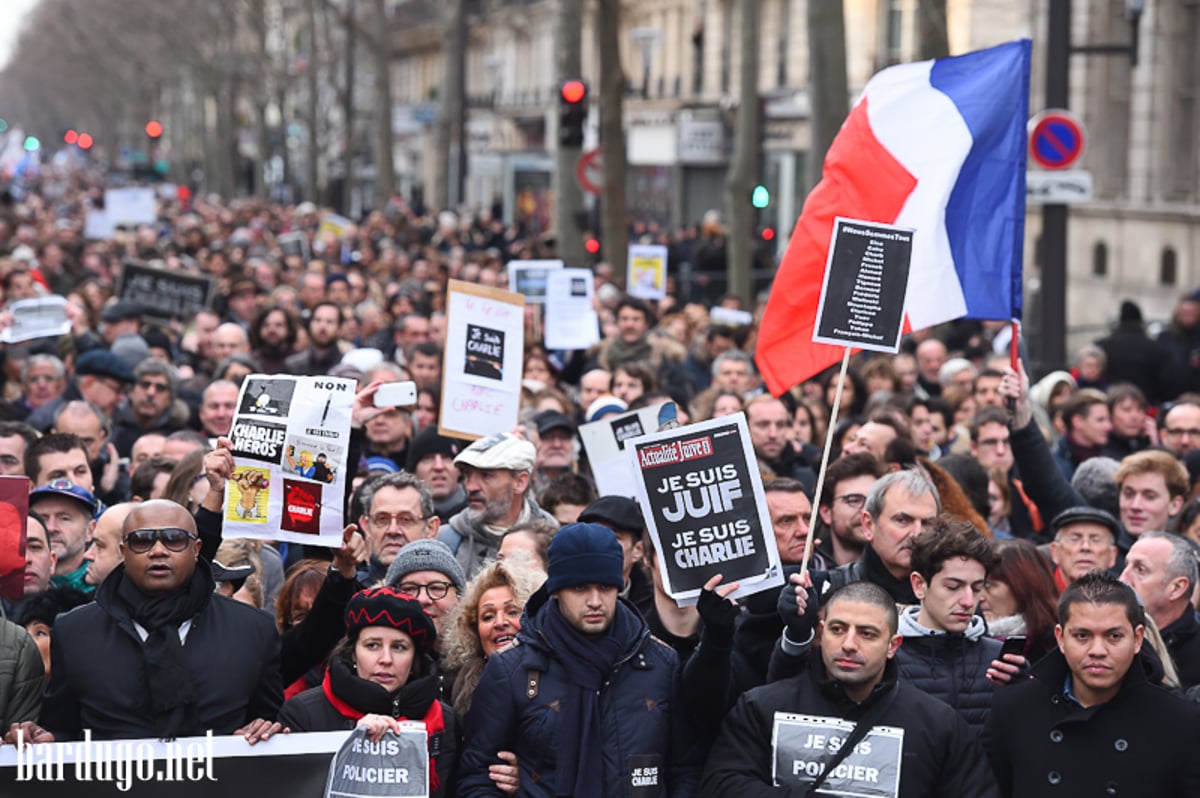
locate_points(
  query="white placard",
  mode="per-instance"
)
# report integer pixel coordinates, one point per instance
(131, 206)
(604, 442)
(647, 272)
(97, 227)
(528, 277)
(43, 317)
(571, 321)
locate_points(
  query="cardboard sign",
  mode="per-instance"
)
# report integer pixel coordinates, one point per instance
(186, 767)
(571, 319)
(802, 744)
(485, 344)
(646, 277)
(290, 437)
(604, 441)
(528, 277)
(397, 765)
(43, 317)
(702, 497)
(164, 295)
(866, 280)
(131, 206)
(14, 512)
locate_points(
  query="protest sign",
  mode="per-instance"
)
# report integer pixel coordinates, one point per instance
(333, 223)
(604, 443)
(646, 277)
(801, 745)
(131, 206)
(14, 512)
(164, 295)
(43, 317)
(397, 765)
(571, 319)
(485, 343)
(729, 317)
(290, 438)
(295, 765)
(97, 227)
(294, 244)
(866, 280)
(528, 277)
(702, 497)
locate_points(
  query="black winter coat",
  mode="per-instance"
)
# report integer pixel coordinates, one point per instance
(639, 714)
(1140, 743)
(1182, 637)
(941, 757)
(97, 676)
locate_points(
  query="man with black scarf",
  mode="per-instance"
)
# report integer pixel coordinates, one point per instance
(158, 654)
(587, 698)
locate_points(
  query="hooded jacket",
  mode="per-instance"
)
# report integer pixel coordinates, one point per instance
(517, 704)
(474, 546)
(949, 666)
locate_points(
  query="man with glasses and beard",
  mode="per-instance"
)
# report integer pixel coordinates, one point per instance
(150, 406)
(177, 660)
(496, 473)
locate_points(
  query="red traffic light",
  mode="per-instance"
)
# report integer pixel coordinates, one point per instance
(768, 234)
(154, 129)
(85, 141)
(71, 137)
(573, 91)
(592, 246)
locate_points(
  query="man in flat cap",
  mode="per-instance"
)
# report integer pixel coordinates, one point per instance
(496, 475)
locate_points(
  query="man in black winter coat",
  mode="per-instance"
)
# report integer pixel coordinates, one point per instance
(1092, 720)
(158, 654)
(912, 745)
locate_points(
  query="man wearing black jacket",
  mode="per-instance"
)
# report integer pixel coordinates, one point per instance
(911, 744)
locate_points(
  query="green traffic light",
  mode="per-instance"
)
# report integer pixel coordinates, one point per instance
(32, 144)
(761, 198)
(3, 125)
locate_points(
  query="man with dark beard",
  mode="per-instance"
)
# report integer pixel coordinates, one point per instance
(273, 338)
(496, 474)
(178, 660)
(322, 353)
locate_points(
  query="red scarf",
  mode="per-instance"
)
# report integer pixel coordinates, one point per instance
(433, 720)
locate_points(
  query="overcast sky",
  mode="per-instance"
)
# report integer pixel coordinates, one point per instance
(10, 22)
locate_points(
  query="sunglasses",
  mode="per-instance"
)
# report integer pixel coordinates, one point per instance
(140, 541)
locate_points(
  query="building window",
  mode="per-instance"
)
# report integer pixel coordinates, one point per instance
(1100, 259)
(1166, 267)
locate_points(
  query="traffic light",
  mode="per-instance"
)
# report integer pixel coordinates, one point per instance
(768, 234)
(154, 129)
(760, 198)
(572, 113)
(32, 144)
(85, 141)
(592, 246)
(71, 137)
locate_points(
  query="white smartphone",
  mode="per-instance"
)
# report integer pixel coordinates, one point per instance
(396, 394)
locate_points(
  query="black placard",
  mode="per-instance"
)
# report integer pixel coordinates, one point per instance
(866, 279)
(164, 295)
(485, 352)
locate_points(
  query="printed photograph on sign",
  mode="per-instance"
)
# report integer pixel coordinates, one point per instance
(646, 275)
(626, 427)
(301, 507)
(311, 458)
(701, 495)
(529, 278)
(258, 440)
(267, 397)
(485, 352)
(249, 494)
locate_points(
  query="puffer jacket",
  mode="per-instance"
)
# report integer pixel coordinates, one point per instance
(950, 667)
(516, 708)
(22, 676)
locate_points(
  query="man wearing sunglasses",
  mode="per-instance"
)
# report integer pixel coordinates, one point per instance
(177, 660)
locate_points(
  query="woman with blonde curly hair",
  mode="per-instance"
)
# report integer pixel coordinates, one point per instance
(486, 619)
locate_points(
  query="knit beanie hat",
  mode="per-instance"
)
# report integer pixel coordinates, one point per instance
(384, 606)
(585, 554)
(428, 442)
(426, 555)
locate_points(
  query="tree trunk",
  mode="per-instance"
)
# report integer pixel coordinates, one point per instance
(932, 36)
(450, 100)
(568, 197)
(385, 168)
(747, 147)
(311, 185)
(348, 113)
(614, 239)
(827, 77)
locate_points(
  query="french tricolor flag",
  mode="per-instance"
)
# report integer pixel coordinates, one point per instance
(938, 147)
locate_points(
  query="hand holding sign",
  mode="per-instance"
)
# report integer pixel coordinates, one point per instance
(798, 608)
(718, 612)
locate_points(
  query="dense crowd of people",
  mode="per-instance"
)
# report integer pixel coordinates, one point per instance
(1003, 589)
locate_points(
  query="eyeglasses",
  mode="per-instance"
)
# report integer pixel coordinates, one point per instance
(1176, 433)
(402, 520)
(140, 541)
(151, 387)
(1075, 541)
(435, 590)
(36, 378)
(855, 500)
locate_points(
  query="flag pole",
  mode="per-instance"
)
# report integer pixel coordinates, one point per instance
(833, 414)
(1014, 360)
